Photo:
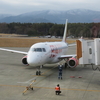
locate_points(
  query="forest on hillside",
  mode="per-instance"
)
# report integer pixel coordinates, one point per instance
(88, 30)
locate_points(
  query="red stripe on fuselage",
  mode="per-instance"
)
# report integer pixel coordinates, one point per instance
(55, 50)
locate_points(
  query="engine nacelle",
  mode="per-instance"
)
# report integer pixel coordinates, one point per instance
(24, 60)
(72, 62)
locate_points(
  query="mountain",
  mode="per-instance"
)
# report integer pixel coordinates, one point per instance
(52, 16)
(4, 15)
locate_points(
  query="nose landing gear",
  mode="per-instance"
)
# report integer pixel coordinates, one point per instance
(38, 72)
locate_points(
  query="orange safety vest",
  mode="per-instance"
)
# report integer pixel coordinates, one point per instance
(57, 88)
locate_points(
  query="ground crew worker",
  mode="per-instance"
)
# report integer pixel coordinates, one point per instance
(57, 90)
(60, 71)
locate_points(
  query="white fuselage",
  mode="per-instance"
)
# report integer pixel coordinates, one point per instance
(46, 53)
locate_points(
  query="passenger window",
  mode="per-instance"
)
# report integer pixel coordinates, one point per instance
(90, 51)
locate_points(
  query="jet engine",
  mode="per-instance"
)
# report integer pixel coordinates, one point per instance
(24, 60)
(72, 62)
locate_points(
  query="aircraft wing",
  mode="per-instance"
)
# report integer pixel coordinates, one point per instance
(67, 56)
(69, 45)
(14, 51)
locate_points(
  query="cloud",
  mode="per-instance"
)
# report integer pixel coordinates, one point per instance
(20, 2)
(23, 6)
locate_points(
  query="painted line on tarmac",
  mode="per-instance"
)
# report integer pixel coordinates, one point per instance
(42, 75)
(45, 76)
(48, 70)
(29, 81)
(39, 75)
(70, 89)
(52, 88)
(12, 85)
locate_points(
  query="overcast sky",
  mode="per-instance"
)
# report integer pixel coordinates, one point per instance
(23, 6)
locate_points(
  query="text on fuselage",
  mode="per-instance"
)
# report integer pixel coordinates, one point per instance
(55, 50)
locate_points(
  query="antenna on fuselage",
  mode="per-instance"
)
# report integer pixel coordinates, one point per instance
(65, 31)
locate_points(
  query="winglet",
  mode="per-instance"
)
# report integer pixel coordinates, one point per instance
(65, 32)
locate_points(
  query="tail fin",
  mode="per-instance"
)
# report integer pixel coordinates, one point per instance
(65, 32)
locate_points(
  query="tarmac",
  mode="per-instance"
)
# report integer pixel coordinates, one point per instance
(80, 83)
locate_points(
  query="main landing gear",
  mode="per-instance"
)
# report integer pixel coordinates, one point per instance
(66, 65)
(38, 72)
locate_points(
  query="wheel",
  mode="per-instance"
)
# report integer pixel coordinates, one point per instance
(66, 65)
(37, 72)
(32, 88)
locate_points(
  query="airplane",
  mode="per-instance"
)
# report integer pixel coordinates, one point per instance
(43, 53)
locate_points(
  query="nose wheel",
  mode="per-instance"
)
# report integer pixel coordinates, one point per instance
(38, 72)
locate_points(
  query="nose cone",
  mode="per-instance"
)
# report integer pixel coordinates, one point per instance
(34, 59)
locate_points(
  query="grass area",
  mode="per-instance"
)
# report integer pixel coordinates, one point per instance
(8, 35)
(25, 42)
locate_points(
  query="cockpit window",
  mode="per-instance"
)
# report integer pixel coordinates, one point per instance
(43, 49)
(39, 50)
